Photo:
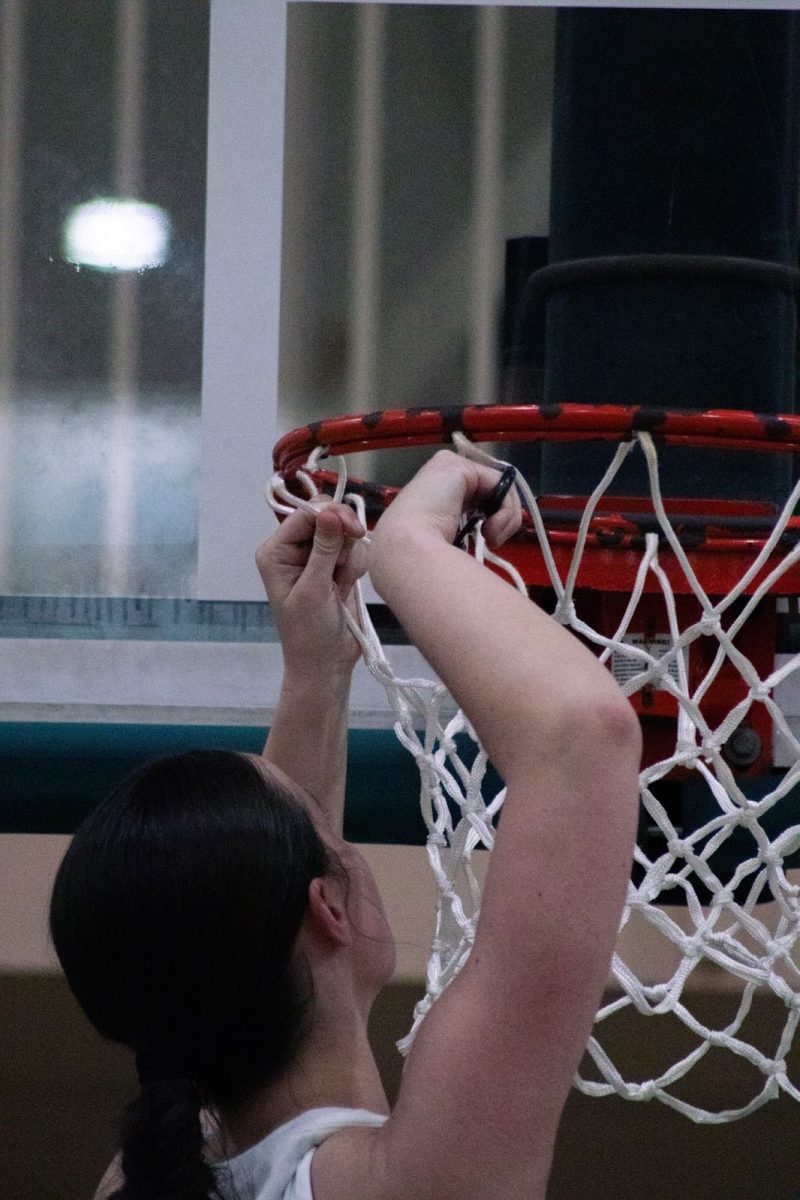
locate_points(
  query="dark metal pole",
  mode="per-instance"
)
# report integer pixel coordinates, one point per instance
(675, 132)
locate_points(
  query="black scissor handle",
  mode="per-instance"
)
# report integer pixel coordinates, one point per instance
(492, 504)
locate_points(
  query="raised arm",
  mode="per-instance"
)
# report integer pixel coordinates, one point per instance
(492, 1064)
(307, 567)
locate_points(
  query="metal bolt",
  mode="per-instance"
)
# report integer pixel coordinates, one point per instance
(743, 746)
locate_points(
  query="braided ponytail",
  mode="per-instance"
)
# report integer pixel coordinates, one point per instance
(162, 1145)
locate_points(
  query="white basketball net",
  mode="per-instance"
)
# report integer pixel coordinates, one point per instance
(754, 944)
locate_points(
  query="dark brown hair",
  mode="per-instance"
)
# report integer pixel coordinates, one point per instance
(174, 914)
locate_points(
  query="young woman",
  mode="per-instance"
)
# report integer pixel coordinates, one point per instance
(210, 915)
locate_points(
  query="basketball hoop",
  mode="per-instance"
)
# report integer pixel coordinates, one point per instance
(681, 598)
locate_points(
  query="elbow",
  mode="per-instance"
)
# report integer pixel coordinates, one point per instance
(606, 737)
(619, 727)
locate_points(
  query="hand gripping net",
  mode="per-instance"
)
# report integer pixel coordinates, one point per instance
(725, 922)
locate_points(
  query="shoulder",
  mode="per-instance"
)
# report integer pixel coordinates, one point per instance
(279, 1167)
(111, 1182)
(346, 1165)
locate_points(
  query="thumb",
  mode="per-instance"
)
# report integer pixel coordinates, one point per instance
(329, 541)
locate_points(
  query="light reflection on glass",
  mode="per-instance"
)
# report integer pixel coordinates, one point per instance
(117, 235)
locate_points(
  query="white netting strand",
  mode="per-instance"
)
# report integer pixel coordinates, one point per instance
(740, 914)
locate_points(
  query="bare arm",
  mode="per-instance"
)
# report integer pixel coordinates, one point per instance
(491, 1067)
(308, 567)
(308, 740)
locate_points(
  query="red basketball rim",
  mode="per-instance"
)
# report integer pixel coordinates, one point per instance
(721, 537)
(397, 427)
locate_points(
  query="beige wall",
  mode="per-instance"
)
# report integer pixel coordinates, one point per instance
(28, 863)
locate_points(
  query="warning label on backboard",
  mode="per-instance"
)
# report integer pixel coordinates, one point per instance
(625, 667)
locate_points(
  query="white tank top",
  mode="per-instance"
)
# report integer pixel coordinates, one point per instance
(279, 1166)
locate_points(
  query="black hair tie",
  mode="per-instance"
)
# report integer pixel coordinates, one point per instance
(164, 1065)
(492, 504)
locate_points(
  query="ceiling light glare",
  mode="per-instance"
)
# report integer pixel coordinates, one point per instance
(117, 235)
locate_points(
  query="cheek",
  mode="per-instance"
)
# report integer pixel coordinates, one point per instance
(370, 903)
(373, 895)
(370, 900)
(385, 938)
(382, 947)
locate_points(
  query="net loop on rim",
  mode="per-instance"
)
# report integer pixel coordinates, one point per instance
(738, 920)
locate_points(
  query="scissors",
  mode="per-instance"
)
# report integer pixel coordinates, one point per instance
(490, 506)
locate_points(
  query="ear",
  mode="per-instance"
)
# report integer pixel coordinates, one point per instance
(327, 912)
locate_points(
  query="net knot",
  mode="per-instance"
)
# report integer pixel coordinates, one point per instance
(643, 1091)
(771, 857)
(427, 763)
(774, 949)
(718, 1037)
(761, 691)
(691, 949)
(565, 612)
(709, 624)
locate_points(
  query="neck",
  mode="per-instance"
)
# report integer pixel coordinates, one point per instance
(334, 1068)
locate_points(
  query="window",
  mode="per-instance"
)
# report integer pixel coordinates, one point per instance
(103, 215)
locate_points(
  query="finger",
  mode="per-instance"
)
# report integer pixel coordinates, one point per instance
(351, 566)
(483, 483)
(291, 535)
(353, 527)
(337, 557)
(297, 532)
(449, 481)
(329, 544)
(296, 529)
(503, 524)
(285, 557)
(348, 516)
